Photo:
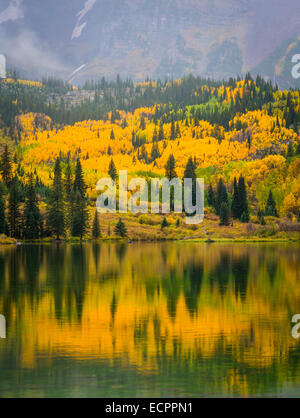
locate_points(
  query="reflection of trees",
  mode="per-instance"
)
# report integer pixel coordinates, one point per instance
(192, 281)
(220, 274)
(240, 272)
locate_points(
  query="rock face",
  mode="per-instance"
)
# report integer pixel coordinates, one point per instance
(155, 38)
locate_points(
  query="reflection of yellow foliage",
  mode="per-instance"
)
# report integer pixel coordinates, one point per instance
(121, 318)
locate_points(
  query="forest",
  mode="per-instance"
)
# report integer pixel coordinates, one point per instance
(240, 135)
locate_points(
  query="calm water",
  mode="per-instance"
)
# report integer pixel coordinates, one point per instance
(176, 319)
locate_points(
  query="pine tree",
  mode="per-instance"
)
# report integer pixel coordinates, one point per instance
(112, 135)
(235, 206)
(211, 199)
(173, 132)
(79, 184)
(14, 214)
(164, 223)
(112, 171)
(3, 223)
(68, 181)
(271, 206)
(55, 209)
(80, 216)
(5, 166)
(32, 216)
(298, 149)
(170, 168)
(222, 196)
(224, 214)
(96, 232)
(189, 173)
(242, 199)
(120, 229)
(161, 134)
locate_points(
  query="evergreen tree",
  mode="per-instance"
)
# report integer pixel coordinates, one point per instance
(32, 216)
(3, 223)
(224, 214)
(55, 209)
(68, 181)
(298, 149)
(96, 232)
(80, 216)
(120, 229)
(161, 134)
(164, 223)
(242, 199)
(235, 206)
(112, 171)
(189, 173)
(173, 132)
(222, 196)
(79, 184)
(211, 199)
(112, 135)
(5, 166)
(14, 214)
(170, 168)
(271, 206)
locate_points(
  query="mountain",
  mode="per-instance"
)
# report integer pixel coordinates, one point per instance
(81, 39)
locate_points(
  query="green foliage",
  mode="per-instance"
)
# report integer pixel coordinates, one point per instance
(224, 214)
(32, 216)
(120, 229)
(80, 216)
(5, 166)
(271, 206)
(112, 171)
(164, 223)
(55, 208)
(96, 231)
(170, 168)
(14, 214)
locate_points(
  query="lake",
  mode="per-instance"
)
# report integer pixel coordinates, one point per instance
(149, 320)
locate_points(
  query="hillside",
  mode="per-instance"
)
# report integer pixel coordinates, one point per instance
(239, 129)
(159, 39)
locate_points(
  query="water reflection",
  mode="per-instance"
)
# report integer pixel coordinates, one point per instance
(149, 320)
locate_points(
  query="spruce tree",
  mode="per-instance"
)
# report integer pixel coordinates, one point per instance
(3, 223)
(242, 199)
(68, 181)
(211, 200)
(189, 173)
(224, 214)
(80, 216)
(143, 124)
(298, 149)
(161, 134)
(271, 206)
(32, 216)
(164, 223)
(5, 166)
(170, 168)
(79, 184)
(222, 196)
(14, 214)
(235, 206)
(96, 232)
(173, 132)
(55, 209)
(112, 171)
(120, 229)
(112, 135)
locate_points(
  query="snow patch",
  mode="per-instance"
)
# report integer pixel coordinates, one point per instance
(12, 12)
(89, 4)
